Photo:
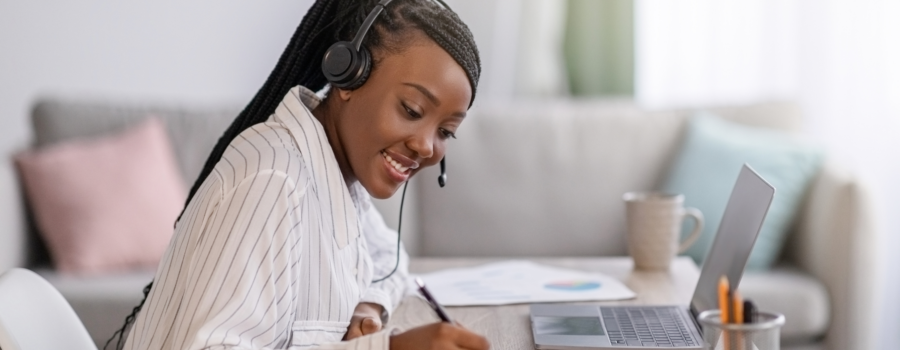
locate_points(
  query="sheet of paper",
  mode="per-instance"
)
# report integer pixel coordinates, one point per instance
(514, 282)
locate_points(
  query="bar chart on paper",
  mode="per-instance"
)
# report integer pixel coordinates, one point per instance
(515, 282)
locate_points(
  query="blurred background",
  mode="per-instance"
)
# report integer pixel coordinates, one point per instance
(838, 59)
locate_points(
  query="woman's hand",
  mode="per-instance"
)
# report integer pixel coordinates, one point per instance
(366, 320)
(443, 336)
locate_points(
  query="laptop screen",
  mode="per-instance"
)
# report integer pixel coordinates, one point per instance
(743, 218)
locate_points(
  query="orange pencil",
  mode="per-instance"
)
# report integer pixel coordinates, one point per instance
(723, 299)
(739, 318)
(724, 291)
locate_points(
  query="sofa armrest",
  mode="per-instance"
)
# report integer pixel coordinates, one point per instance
(802, 299)
(836, 242)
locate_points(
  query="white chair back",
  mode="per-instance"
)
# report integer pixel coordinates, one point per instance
(35, 316)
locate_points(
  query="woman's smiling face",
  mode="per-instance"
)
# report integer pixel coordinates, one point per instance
(400, 119)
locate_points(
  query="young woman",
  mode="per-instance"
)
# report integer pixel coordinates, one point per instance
(278, 246)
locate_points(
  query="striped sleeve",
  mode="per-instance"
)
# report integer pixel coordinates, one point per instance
(378, 340)
(242, 295)
(382, 243)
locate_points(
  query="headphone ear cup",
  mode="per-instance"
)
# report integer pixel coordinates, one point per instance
(337, 61)
(364, 68)
(344, 66)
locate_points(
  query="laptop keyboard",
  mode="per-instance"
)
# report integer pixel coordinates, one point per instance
(662, 327)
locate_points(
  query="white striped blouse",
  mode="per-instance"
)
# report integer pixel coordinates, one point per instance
(274, 251)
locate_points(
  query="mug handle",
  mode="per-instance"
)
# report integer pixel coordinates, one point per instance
(698, 228)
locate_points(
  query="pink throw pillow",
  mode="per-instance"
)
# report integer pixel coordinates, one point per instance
(106, 204)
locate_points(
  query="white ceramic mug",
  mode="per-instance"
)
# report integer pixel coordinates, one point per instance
(654, 228)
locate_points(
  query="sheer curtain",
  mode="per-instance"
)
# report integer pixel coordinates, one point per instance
(521, 46)
(691, 52)
(840, 59)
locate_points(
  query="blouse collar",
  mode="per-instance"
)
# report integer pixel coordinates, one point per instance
(295, 112)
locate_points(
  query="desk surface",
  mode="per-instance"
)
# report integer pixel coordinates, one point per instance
(508, 327)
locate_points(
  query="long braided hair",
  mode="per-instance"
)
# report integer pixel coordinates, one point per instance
(327, 22)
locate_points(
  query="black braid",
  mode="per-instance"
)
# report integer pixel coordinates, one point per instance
(327, 22)
(128, 320)
(451, 34)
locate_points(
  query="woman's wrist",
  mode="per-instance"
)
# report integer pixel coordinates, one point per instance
(366, 320)
(368, 308)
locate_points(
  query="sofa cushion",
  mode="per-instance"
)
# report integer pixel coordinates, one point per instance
(193, 132)
(802, 299)
(546, 178)
(105, 204)
(708, 163)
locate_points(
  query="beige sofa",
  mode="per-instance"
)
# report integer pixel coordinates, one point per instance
(546, 179)
(532, 179)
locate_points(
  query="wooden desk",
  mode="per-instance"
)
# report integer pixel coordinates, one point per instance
(508, 327)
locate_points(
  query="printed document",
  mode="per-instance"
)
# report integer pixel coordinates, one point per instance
(514, 282)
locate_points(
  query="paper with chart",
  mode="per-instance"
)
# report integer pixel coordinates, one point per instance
(514, 282)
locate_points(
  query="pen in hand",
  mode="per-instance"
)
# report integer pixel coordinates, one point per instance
(434, 304)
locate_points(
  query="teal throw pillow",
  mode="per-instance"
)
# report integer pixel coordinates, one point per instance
(707, 167)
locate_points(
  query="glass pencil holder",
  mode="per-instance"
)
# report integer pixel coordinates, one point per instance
(763, 334)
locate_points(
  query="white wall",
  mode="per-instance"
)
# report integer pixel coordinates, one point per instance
(850, 84)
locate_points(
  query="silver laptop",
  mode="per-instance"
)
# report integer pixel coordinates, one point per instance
(666, 326)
